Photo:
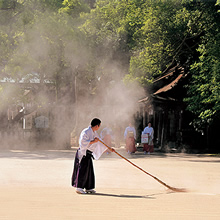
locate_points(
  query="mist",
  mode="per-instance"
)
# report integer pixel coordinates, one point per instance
(66, 83)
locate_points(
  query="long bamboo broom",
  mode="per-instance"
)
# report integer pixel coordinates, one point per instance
(161, 182)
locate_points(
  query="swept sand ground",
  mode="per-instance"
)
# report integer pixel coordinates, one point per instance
(35, 185)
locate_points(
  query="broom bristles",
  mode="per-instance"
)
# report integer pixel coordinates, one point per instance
(177, 189)
(169, 187)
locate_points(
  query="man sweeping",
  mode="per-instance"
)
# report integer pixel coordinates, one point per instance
(89, 148)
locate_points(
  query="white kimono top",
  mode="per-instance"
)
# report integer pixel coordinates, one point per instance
(129, 129)
(150, 131)
(97, 148)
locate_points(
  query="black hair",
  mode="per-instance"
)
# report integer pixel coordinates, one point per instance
(95, 121)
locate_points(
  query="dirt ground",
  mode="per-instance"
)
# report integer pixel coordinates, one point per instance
(35, 185)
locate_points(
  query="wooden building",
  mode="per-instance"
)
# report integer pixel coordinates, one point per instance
(165, 109)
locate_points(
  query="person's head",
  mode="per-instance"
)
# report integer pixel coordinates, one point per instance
(95, 124)
(149, 124)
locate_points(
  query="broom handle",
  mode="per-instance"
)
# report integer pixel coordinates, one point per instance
(161, 182)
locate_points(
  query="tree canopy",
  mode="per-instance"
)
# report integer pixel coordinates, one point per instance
(106, 40)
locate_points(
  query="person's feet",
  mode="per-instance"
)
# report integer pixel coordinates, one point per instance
(90, 191)
(80, 191)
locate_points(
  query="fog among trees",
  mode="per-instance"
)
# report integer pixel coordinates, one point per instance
(100, 57)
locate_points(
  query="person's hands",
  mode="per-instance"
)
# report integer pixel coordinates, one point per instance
(112, 150)
(95, 140)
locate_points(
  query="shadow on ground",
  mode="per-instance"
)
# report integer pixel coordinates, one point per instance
(151, 196)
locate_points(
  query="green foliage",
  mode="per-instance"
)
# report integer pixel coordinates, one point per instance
(74, 7)
(204, 89)
(184, 32)
(57, 38)
(104, 25)
(160, 37)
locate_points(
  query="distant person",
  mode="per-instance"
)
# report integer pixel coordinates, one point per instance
(130, 137)
(89, 147)
(148, 147)
(107, 136)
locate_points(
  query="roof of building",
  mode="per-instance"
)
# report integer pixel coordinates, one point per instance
(166, 83)
(169, 86)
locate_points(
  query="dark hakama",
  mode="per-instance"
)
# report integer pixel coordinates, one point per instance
(83, 172)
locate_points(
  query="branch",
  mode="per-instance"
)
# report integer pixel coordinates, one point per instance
(177, 52)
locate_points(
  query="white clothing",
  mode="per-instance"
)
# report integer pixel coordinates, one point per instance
(150, 131)
(97, 148)
(129, 129)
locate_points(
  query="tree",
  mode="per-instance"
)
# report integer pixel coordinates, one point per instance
(204, 89)
(74, 7)
(165, 33)
(68, 42)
